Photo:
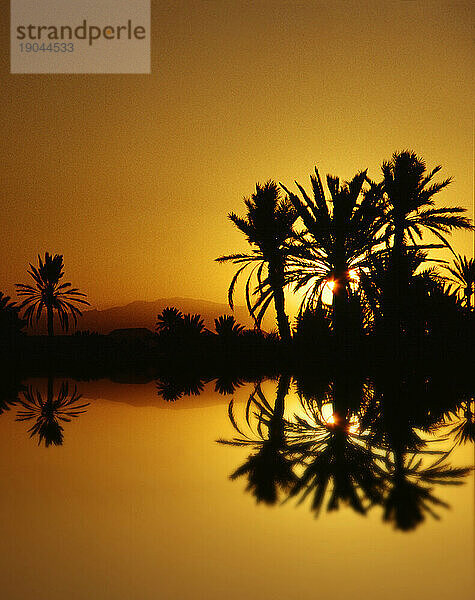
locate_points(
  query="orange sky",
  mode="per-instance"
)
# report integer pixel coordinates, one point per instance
(131, 176)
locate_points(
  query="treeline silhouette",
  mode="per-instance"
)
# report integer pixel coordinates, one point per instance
(362, 246)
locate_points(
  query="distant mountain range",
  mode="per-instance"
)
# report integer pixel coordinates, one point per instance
(144, 314)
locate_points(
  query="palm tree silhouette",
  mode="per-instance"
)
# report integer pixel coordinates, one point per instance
(227, 328)
(408, 191)
(172, 322)
(50, 294)
(463, 275)
(169, 321)
(268, 226)
(340, 233)
(50, 412)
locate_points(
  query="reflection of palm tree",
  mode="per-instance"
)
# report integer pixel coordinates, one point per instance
(269, 469)
(335, 457)
(49, 293)
(268, 227)
(464, 428)
(463, 274)
(10, 388)
(410, 488)
(227, 383)
(49, 413)
(173, 386)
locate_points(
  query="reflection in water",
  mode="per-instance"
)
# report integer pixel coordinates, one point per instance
(375, 452)
(175, 385)
(270, 468)
(50, 412)
(464, 428)
(9, 390)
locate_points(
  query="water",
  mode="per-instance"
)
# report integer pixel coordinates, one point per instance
(137, 504)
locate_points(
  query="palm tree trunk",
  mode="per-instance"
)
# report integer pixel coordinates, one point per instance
(340, 311)
(397, 287)
(276, 279)
(468, 297)
(49, 316)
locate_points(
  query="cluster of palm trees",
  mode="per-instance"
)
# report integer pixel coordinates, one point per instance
(364, 241)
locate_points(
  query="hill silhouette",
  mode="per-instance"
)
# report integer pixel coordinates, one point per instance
(140, 314)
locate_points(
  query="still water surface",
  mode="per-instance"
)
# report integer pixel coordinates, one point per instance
(137, 504)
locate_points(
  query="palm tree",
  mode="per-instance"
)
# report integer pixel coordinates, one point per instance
(227, 328)
(169, 321)
(268, 227)
(340, 233)
(463, 274)
(49, 293)
(408, 191)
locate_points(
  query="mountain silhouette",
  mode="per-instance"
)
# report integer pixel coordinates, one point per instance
(144, 314)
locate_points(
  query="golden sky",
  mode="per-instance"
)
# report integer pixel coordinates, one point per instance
(131, 176)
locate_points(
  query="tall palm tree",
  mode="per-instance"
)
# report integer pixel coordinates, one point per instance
(463, 275)
(268, 227)
(49, 293)
(408, 190)
(341, 231)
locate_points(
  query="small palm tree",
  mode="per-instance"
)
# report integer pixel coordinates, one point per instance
(169, 321)
(268, 227)
(463, 275)
(226, 327)
(49, 293)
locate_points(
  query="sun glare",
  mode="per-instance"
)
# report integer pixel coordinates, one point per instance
(327, 292)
